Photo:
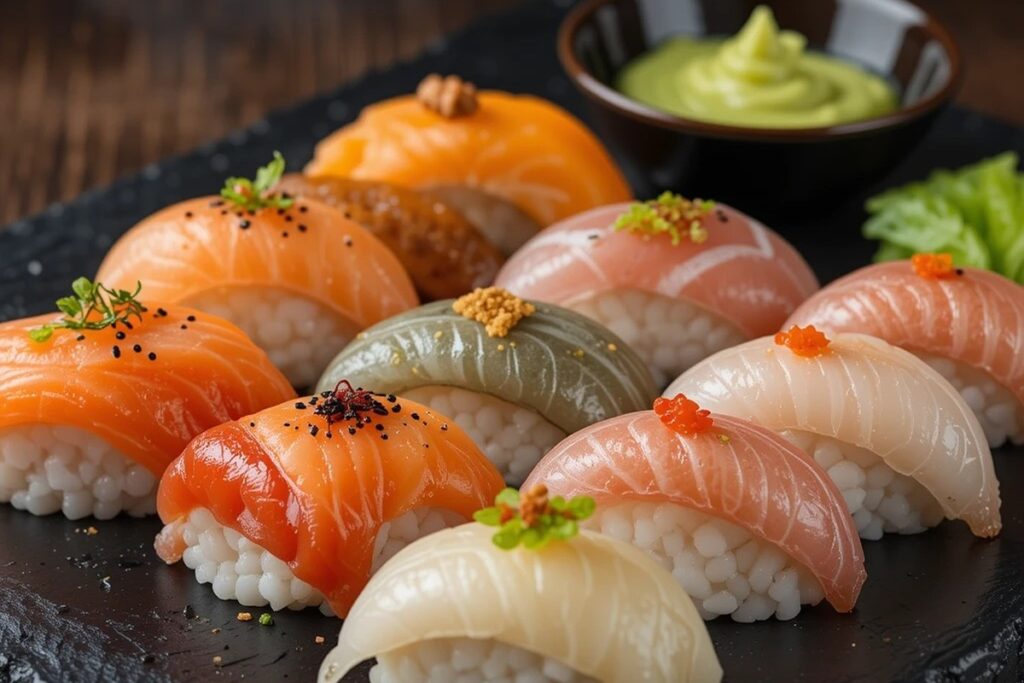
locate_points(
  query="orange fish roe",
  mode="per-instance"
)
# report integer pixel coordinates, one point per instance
(682, 415)
(934, 266)
(803, 341)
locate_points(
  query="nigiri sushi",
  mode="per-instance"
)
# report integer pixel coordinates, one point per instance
(95, 404)
(444, 254)
(511, 163)
(297, 276)
(298, 504)
(517, 377)
(454, 607)
(747, 523)
(966, 323)
(894, 435)
(676, 279)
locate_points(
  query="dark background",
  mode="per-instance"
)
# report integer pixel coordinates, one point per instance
(92, 89)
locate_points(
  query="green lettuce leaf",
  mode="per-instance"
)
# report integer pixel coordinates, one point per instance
(975, 213)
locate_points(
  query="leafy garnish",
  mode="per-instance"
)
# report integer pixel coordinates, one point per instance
(670, 214)
(975, 213)
(93, 307)
(532, 519)
(253, 195)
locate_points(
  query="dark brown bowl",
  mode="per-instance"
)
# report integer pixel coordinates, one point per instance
(779, 172)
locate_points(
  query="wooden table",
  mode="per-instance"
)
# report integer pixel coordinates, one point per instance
(91, 89)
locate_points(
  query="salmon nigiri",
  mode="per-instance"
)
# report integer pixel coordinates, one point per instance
(749, 524)
(967, 323)
(298, 504)
(95, 405)
(511, 163)
(895, 436)
(676, 279)
(586, 609)
(298, 276)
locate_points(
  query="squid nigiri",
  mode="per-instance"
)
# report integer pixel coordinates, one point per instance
(94, 405)
(298, 504)
(676, 279)
(897, 438)
(966, 323)
(454, 607)
(516, 376)
(296, 275)
(746, 522)
(511, 163)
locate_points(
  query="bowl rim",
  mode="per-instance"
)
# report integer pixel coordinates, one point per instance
(626, 106)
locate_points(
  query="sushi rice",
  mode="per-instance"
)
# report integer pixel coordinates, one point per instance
(470, 660)
(46, 469)
(670, 335)
(244, 571)
(880, 500)
(512, 437)
(1000, 413)
(298, 334)
(722, 566)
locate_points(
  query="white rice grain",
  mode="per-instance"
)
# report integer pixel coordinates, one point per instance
(670, 335)
(470, 660)
(284, 325)
(880, 500)
(46, 469)
(1000, 413)
(512, 437)
(722, 566)
(244, 571)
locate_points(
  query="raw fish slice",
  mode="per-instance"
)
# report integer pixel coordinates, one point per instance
(314, 495)
(974, 319)
(866, 392)
(737, 472)
(519, 148)
(743, 272)
(596, 605)
(191, 371)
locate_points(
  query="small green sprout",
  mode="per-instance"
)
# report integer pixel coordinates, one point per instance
(253, 195)
(93, 307)
(670, 214)
(532, 519)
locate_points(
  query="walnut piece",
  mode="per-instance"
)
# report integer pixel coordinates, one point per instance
(449, 96)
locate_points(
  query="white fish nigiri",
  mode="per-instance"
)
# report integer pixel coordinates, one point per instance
(590, 608)
(895, 436)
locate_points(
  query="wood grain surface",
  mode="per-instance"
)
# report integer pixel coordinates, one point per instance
(92, 89)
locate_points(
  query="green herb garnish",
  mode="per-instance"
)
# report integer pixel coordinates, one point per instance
(533, 519)
(253, 195)
(669, 214)
(266, 619)
(93, 307)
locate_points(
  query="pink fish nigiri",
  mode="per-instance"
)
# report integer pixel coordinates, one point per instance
(675, 298)
(967, 323)
(748, 523)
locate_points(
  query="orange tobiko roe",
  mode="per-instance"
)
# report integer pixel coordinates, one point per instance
(934, 266)
(803, 341)
(682, 415)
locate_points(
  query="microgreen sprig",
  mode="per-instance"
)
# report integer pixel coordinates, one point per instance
(532, 519)
(93, 307)
(253, 195)
(670, 214)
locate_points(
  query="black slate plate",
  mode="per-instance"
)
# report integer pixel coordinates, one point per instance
(940, 606)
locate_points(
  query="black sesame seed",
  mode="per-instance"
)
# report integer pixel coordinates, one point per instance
(287, 219)
(252, 424)
(188, 214)
(287, 424)
(280, 212)
(351, 430)
(117, 351)
(284, 234)
(243, 224)
(120, 334)
(137, 348)
(313, 400)
(348, 241)
(128, 325)
(329, 435)
(444, 428)
(391, 398)
(223, 212)
(300, 406)
(302, 227)
(161, 312)
(303, 209)
(384, 437)
(151, 356)
(379, 427)
(415, 416)
(184, 327)
(191, 318)
(313, 430)
(81, 337)
(397, 408)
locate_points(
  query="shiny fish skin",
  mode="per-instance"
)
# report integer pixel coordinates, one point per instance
(869, 393)
(316, 503)
(757, 480)
(976, 319)
(744, 272)
(147, 409)
(555, 361)
(597, 605)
